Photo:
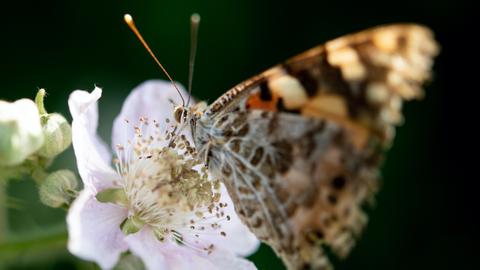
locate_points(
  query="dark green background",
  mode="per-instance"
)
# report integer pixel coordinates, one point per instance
(425, 212)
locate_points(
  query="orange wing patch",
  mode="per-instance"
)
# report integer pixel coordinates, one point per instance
(256, 101)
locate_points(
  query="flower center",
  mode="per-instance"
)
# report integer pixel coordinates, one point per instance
(167, 188)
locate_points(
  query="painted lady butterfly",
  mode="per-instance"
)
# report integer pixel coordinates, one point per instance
(299, 146)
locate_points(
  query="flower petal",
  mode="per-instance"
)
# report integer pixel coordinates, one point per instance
(154, 99)
(238, 239)
(168, 255)
(94, 230)
(145, 246)
(226, 260)
(82, 102)
(92, 155)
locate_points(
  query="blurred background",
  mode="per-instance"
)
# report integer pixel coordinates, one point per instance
(424, 216)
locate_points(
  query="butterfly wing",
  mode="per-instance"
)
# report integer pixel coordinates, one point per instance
(299, 146)
(296, 182)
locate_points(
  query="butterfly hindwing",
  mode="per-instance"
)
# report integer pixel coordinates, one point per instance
(297, 185)
(299, 146)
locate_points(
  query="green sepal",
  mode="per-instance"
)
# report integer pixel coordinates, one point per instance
(112, 195)
(128, 261)
(131, 225)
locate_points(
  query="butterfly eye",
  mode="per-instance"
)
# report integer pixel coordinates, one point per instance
(178, 113)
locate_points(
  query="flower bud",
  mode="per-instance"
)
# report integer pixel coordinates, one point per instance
(20, 131)
(58, 189)
(57, 133)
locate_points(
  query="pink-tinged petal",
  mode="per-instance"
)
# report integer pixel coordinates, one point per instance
(94, 230)
(183, 258)
(168, 255)
(226, 260)
(238, 240)
(154, 99)
(145, 246)
(91, 153)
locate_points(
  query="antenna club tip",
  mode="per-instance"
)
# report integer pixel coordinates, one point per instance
(195, 18)
(128, 18)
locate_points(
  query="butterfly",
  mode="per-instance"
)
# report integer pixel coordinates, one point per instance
(299, 146)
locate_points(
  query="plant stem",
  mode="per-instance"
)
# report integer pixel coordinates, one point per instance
(3, 211)
(34, 248)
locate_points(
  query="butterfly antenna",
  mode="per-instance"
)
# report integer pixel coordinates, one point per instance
(194, 24)
(129, 20)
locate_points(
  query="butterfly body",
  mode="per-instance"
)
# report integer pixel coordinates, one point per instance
(299, 146)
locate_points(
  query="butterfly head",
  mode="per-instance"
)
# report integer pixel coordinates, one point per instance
(183, 114)
(180, 113)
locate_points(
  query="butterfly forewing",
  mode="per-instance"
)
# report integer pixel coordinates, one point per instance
(299, 146)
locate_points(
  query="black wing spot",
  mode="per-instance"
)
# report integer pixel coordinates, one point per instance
(257, 156)
(307, 266)
(243, 130)
(332, 199)
(308, 82)
(235, 145)
(319, 234)
(257, 223)
(265, 93)
(283, 155)
(226, 170)
(339, 182)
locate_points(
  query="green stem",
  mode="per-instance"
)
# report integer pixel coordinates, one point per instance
(34, 248)
(3, 211)
(39, 101)
(35, 167)
(39, 175)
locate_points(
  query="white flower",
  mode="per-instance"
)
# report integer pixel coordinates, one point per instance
(20, 131)
(153, 203)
